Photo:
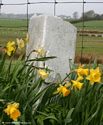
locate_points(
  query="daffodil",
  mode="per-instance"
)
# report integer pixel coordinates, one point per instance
(63, 90)
(10, 48)
(77, 85)
(67, 84)
(43, 74)
(13, 111)
(27, 38)
(20, 43)
(82, 71)
(95, 76)
(41, 52)
(79, 78)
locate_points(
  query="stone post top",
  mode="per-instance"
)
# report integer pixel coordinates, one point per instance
(51, 18)
(45, 16)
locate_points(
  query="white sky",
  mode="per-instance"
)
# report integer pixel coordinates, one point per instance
(61, 9)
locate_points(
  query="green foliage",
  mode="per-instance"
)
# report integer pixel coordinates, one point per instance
(54, 114)
(19, 82)
(49, 103)
(81, 107)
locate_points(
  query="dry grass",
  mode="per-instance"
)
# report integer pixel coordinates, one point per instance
(88, 58)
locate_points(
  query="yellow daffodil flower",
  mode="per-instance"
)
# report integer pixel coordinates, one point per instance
(20, 43)
(13, 111)
(63, 90)
(67, 84)
(77, 85)
(27, 38)
(79, 78)
(10, 48)
(43, 74)
(41, 52)
(82, 71)
(95, 76)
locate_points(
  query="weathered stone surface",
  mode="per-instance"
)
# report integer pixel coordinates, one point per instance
(57, 37)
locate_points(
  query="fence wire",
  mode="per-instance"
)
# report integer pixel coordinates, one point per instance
(27, 3)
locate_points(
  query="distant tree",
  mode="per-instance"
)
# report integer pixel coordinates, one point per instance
(89, 15)
(75, 15)
(101, 16)
(98, 17)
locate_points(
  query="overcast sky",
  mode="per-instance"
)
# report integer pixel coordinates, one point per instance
(61, 9)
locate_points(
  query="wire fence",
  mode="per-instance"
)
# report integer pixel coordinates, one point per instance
(89, 38)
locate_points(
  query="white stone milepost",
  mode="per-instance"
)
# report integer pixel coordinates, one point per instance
(56, 36)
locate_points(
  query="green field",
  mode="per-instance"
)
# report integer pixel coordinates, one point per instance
(96, 25)
(10, 29)
(92, 45)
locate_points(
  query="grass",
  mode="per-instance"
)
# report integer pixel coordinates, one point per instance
(91, 25)
(92, 46)
(10, 29)
(13, 22)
